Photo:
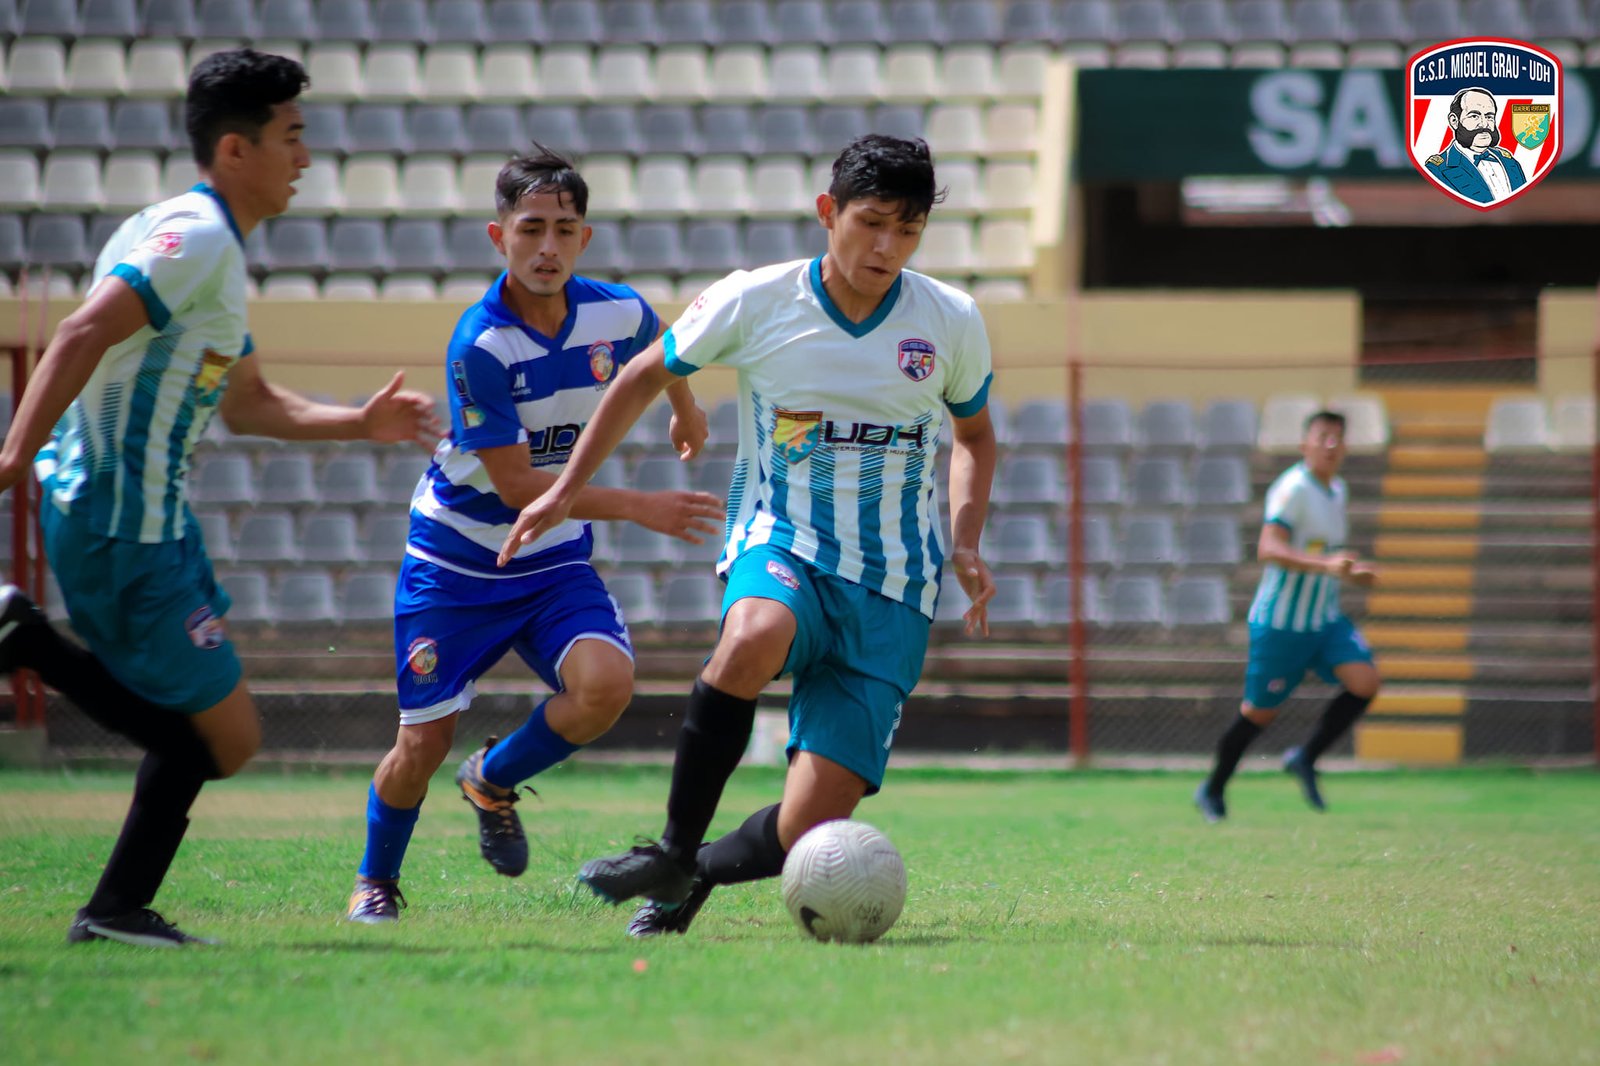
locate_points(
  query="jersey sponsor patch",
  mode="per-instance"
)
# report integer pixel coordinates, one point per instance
(795, 433)
(916, 358)
(169, 244)
(784, 575)
(206, 629)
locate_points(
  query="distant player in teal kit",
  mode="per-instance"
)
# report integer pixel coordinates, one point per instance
(1295, 622)
(127, 387)
(527, 367)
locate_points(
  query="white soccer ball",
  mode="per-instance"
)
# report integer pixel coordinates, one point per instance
(845, 882)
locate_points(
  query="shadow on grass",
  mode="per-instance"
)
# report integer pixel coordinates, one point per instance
(378, 947)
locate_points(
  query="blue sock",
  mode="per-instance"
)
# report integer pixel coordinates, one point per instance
(531, 750)
(388, 833)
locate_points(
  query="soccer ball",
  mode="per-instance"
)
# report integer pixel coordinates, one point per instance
(844, 882)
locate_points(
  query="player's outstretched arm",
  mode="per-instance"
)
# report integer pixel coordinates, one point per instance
(640, 382)
(1274, 547)
(972, 462)
(690, 427)
(112, 314)
(394, 415)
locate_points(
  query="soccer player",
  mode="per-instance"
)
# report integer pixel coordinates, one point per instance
(528, 364)
(832, 560)
(158, 347)
(1295, 622)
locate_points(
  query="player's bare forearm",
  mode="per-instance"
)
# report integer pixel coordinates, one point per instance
(640, 382)
(112, 314)
(680, 396)
(1274, 547)
(260, 408)
(518, 484)
(973, 455)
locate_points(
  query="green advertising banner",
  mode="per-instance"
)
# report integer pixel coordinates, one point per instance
(1152, 125)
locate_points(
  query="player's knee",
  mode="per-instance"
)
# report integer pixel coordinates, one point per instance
(600, 701)
(422, 749)
(1261, 716)
(1366, 686)
(748, 656)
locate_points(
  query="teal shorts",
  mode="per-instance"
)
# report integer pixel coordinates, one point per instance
(152, 613)
(1280, 659)
(856, 656)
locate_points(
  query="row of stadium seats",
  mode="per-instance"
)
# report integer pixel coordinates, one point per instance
(522, 71)
(1530, 426)
(800, 21)
(1196, 601)
(1152, 481)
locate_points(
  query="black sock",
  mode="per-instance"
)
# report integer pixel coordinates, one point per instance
(749, 853)
(1338, 716)
(157, 819)
(716, 731)
(1229, 750)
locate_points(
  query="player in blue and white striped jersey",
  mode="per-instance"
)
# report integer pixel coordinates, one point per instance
(1295, 622)
(847, 365)
(129, 383)
(527, 366)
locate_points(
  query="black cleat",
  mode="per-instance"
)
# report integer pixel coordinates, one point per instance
(16, 611)
(647, 871)
(1307, 775)
(653, 918)
(500, 836)
(143, 928)
(375, 902)
(1212, 809)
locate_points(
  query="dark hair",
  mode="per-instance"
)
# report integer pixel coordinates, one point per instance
(235, 92)
(542, 170)
(1332, 417)
(887, 168)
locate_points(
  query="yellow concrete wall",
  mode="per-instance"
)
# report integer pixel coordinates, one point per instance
(1568, 323)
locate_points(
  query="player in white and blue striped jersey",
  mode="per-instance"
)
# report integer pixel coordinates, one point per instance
(527, 366)
(847, 365)
(1296, 624)
(109, 420)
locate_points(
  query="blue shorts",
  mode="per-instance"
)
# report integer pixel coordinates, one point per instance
(856, 657)
(450, 628)
(152, 613)
(1279, 659)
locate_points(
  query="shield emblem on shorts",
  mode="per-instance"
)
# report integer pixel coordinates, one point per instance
(1483, 118)
(795, 433)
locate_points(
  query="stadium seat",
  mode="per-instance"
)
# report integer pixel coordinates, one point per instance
(216, 536)
(288, 479)
(335, 69)
(635, 594)
(605, 256)
(973, 20)
(713, 247)
(428, 186)
(25, 123)
(486, 128)
(738, 73)
(290, 286)
(1014, 602)
(226, 20)
(915, 22)
(558, 126)
(573, 22)
(1200, 600)
(643, 547)
(1283, 419)
(38, 67)
(327, 128)
(267, 537)
(296, 244)
(1107, 426)
(1517, 425)
(508, 74)
(84, 123)
(796, 73)
(946, 248)
(358, 244)
(350, 287)
(1221, 481)
(1574, 423)
(686, 22)
(407, 288)
(383, 539)
(1166, 425)
(663, 186)
(1212, 541)
(1136, 600)
(1440, 20)
(911, 73)
(743, 22)
(1552, 19)
(1024, 540)
(437, 129)
(169, 19)
(1373, 20)
(566, 73)
(370, 185)
(157, 68)
(691, 599)
(419, 245)
(1005, 246)
(1030, 20)
(1102, 482)
(1055, 601)
(960, 178)
(289, 20)
(1366, 422)
(13, 248)
(402, 21)
(50, 18)
(683, 74)
(71, 181)
(780, 187)
(770, 242)
(367, 596)
(785, 131)
(1099, 542)
(851, 73)
(1031, 480)
(624, 73)
(1149, 540)
(1158, 481)
(516, 20)
(727, 130)
(143, 124)
(330, 537)
(249, 591)
(344, 20)
(1008, 187)
(316, 193)
(391, 73)
(378, 129)
(1228, 425)
(224, 481)
(668, 130)
(96, 68)
(955, 129)
(450, 74)
(304, 597)
(660, 474)
(1038, 424)
(613, 129)
(470, 247)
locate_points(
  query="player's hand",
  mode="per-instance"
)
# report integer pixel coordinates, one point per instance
(690, 516)
(395, 415)
(536, 519)
(1339, 564)
(1364, 574)
(12, 472)
(978, 583)
(688, 432)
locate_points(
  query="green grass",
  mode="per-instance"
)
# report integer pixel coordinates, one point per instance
(1448, 917)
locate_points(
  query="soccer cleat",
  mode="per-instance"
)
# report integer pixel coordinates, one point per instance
(500, 836)
(646, 870)
(1212, 809)
(375, 902)
(143, 928)
(1307, 775)
(653, 918)
(16, 611)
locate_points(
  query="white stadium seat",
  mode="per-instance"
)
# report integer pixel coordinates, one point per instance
(371, 185)
(854, 74)
(19, 179)
(911, 74)
(795, 74)
(450, 74)
(722, 186)
(624, 73)
(71, 180)
(738, 74)
(335, 71)
(682, 75)
(662, 187)
(38, 66)
(1011, 128)
(955, 129)
(508, 74)
(97, 68)
(428, 186)
(779, 187)
(565, 75)
(391, 74)
(132, 180)
(1004, 246)
(967, 73)
(155, 68)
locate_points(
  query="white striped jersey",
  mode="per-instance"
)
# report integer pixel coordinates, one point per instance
(839, 421)
(510, 384)
(120, 455)
(1314, 516)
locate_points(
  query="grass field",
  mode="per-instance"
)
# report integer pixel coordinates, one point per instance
(1448, 917)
